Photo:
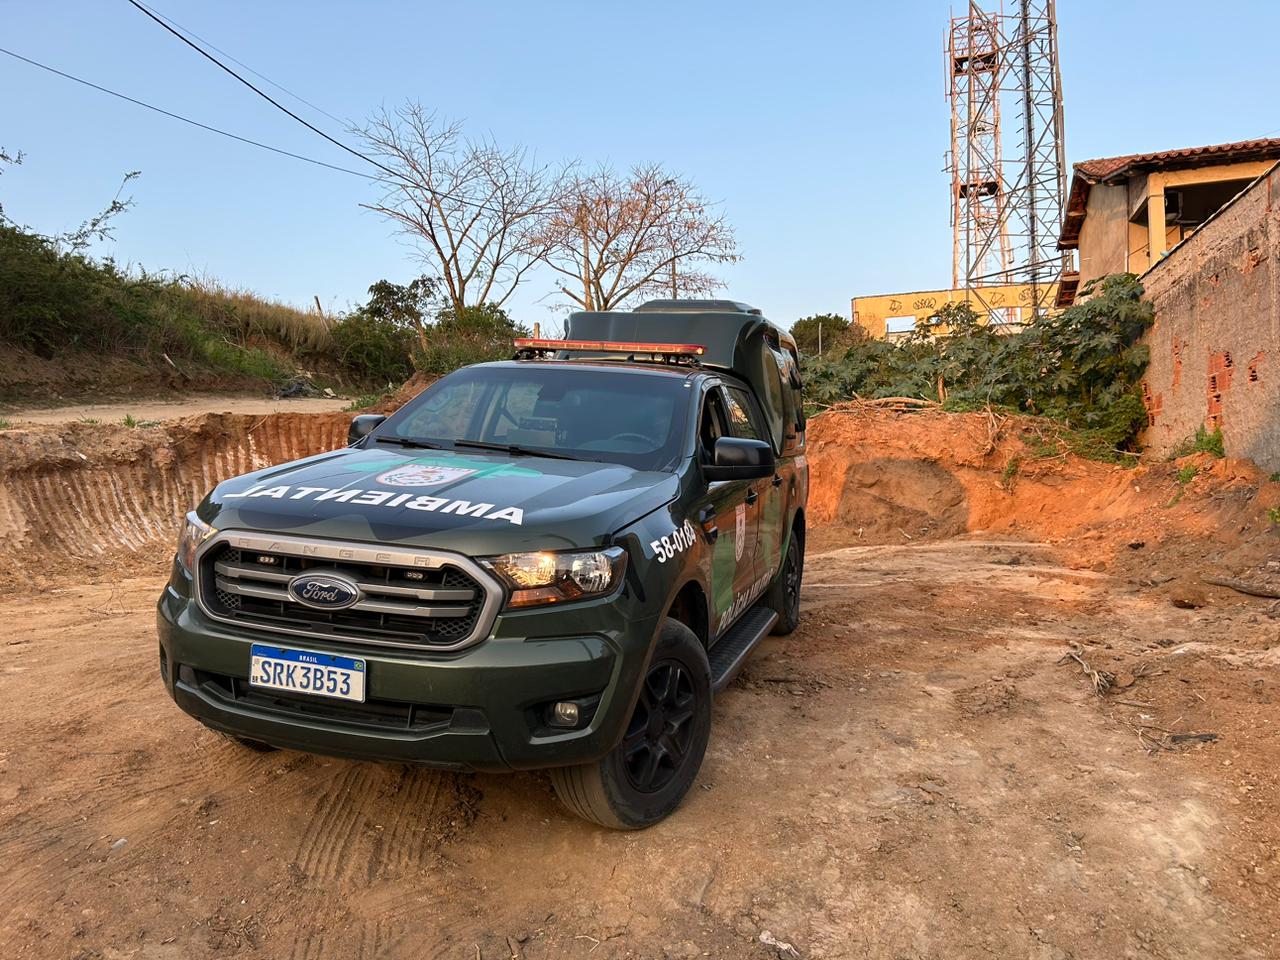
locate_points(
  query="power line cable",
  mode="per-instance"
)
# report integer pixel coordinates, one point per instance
(398, 179)
(260, 76)
(271, 100)
(194, 123)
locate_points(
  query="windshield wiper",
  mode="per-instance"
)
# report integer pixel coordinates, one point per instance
(515, 450)
(409, 442)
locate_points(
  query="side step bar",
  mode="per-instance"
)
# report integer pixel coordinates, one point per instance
(730, 651)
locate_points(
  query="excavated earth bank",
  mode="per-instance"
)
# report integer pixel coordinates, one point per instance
(92, 499)
(915, 773)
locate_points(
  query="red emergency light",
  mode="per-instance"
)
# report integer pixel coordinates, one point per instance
(611, 346)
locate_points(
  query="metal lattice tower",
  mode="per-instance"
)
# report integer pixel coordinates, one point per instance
(980, 243)
(1008, 187)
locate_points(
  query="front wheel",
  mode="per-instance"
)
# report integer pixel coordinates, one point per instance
(784, 593)
(644, 778)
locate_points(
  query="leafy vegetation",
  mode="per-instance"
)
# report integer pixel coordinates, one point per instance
(4, 423)
(826, 333)
(1205, 441)
(1187, 473)
(1273, 514)
(1081, 367)
(1010, 472)
(475, 335)
(55, 301)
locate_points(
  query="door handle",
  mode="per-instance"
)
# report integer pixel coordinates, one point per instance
(707, 520)
(777, 480)
(752, 497)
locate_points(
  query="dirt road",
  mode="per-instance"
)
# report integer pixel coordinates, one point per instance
(911, 775)
(149, 411)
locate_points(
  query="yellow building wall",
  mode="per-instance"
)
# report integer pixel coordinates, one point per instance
(873, 313)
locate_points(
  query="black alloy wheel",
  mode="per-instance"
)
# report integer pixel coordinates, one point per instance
(658, 738)
(650, 769)
(784, 593)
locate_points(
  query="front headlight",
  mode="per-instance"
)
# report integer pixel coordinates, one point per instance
(194, 532)
(555, 577)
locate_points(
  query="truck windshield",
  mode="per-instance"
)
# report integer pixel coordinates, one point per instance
(612, 416)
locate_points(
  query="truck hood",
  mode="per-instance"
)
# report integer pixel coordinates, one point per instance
(475, 503)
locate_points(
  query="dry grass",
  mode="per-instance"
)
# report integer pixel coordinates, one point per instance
(247, 314)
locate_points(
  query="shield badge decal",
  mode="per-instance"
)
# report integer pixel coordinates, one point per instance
(739, 531)
(422, 475)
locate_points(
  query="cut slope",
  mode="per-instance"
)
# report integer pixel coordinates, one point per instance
(83, 499)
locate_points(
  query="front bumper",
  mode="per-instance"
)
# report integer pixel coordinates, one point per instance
(475, 709)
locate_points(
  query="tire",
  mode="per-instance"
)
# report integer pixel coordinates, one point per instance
(784, 593)
(644, 778)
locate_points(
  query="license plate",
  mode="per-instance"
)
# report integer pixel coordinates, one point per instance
(305, 671)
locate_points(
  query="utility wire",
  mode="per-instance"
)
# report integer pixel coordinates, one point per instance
(260, 76)
(265, 96)
(194, 123)
(397, 178)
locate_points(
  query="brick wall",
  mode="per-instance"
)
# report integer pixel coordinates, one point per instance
(1215, 344)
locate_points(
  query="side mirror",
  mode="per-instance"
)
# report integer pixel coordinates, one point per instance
(739, 459)
(362, 426)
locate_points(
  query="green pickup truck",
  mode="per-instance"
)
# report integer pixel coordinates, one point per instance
(554, 561)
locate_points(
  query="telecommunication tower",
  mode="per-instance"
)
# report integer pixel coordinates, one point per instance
(1007, 185)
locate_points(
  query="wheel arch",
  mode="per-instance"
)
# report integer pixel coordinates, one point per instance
(689, 606)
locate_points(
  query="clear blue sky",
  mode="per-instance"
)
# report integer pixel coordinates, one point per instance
(820, 127)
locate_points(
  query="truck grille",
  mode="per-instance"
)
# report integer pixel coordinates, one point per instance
(439, 605)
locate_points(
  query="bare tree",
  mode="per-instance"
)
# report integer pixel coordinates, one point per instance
(618, 237)
(476, 211)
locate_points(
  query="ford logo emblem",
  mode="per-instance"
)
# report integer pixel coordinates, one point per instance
(324, 591)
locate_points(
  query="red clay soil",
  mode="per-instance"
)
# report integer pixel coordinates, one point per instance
(889, 477)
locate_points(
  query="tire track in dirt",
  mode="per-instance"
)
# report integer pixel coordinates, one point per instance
(333, 826)
(418, 799)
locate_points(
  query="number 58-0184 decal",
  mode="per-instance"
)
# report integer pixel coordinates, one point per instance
(676, 542)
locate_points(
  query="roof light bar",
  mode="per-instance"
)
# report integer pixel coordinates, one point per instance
(611, 346)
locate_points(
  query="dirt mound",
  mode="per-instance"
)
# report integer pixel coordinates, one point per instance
(890, 477)
(82, 495)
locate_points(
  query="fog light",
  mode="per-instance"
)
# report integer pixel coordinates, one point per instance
(564, 714)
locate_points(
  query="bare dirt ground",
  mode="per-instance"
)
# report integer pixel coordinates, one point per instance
(154, 410)
(916, 773)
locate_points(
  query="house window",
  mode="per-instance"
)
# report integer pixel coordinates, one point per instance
(899, 325)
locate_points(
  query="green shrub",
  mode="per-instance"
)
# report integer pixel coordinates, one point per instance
(1082, 367)
(478, 335)
(1187, 474)
(245, 361)
(372, 348)
(1205, 441)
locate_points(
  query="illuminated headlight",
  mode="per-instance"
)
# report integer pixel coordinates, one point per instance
(194, 532)
(554, 577)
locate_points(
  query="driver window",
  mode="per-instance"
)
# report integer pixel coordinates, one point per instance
(712, 425)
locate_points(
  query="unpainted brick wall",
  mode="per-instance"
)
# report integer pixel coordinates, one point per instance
(1215, 344)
